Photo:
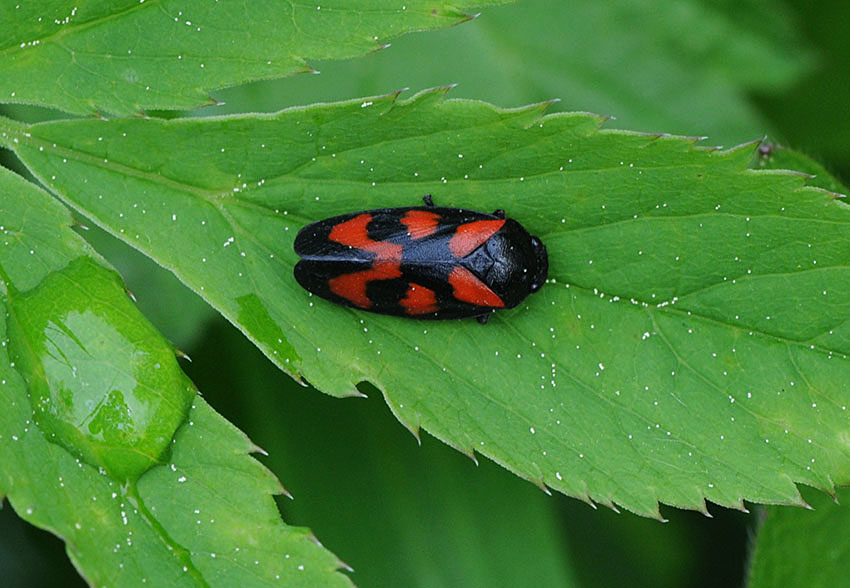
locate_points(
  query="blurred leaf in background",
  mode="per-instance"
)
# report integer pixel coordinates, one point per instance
(803, 547)
(689, 68)
(685, 67)
(811, 114)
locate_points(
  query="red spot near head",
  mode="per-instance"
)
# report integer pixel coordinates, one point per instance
(468, 288)
(419, 300)
(354, 233)
(420, 223)
(471, 236)
(352, 286)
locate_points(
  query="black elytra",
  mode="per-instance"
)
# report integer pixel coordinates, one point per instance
(423, 262)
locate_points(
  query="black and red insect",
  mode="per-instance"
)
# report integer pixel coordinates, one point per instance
(425, 262)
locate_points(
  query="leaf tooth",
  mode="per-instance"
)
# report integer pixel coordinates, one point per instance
(656, 514)
(739, 505)
(470, 453)
(212, 101)
(451, 12)
(539, 109)
(282, 490)
(305, 67)
(542, 485)
(436, 93)
(829, 488)
(340, 565)
(414, 430)
(395, 94)
(795, 499)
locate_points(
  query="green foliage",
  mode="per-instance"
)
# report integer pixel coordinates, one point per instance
(661, 331)
(803, 547)
(687, 68)
(690, 346)
(108, 397)
(76, 338)
(127, 56)
(398, 512)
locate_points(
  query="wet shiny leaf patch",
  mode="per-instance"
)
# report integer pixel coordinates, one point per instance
(103, 383)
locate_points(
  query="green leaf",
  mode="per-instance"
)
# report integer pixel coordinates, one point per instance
(798, 547)
(441, 518)
(774, 156)
(139, 483)
(689, 68)
(691, 343)
(103, 382)
(128, 56)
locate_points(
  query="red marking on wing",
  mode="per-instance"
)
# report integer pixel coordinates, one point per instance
(471, 236)
(354, 233)
(468, 288)
(352, 286)
(419, 300)
(387, 265)
(421, 223)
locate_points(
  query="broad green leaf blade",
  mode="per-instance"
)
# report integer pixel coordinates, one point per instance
(128, 56)
(692, 341)
(205, 513)
(797, 547)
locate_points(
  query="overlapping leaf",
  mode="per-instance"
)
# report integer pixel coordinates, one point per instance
(92, 396)
(690, 344)
(128, 56)
(797, 547)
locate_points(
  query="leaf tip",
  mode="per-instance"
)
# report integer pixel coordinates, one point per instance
(395, 94)
(740, 506)
(283, 491)
(211, 101)
(460, 15)
(540, 484)
(470, 453)
(257, 449)
(340, 565)
(379, 46)
(413, 428)
(443, 90)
